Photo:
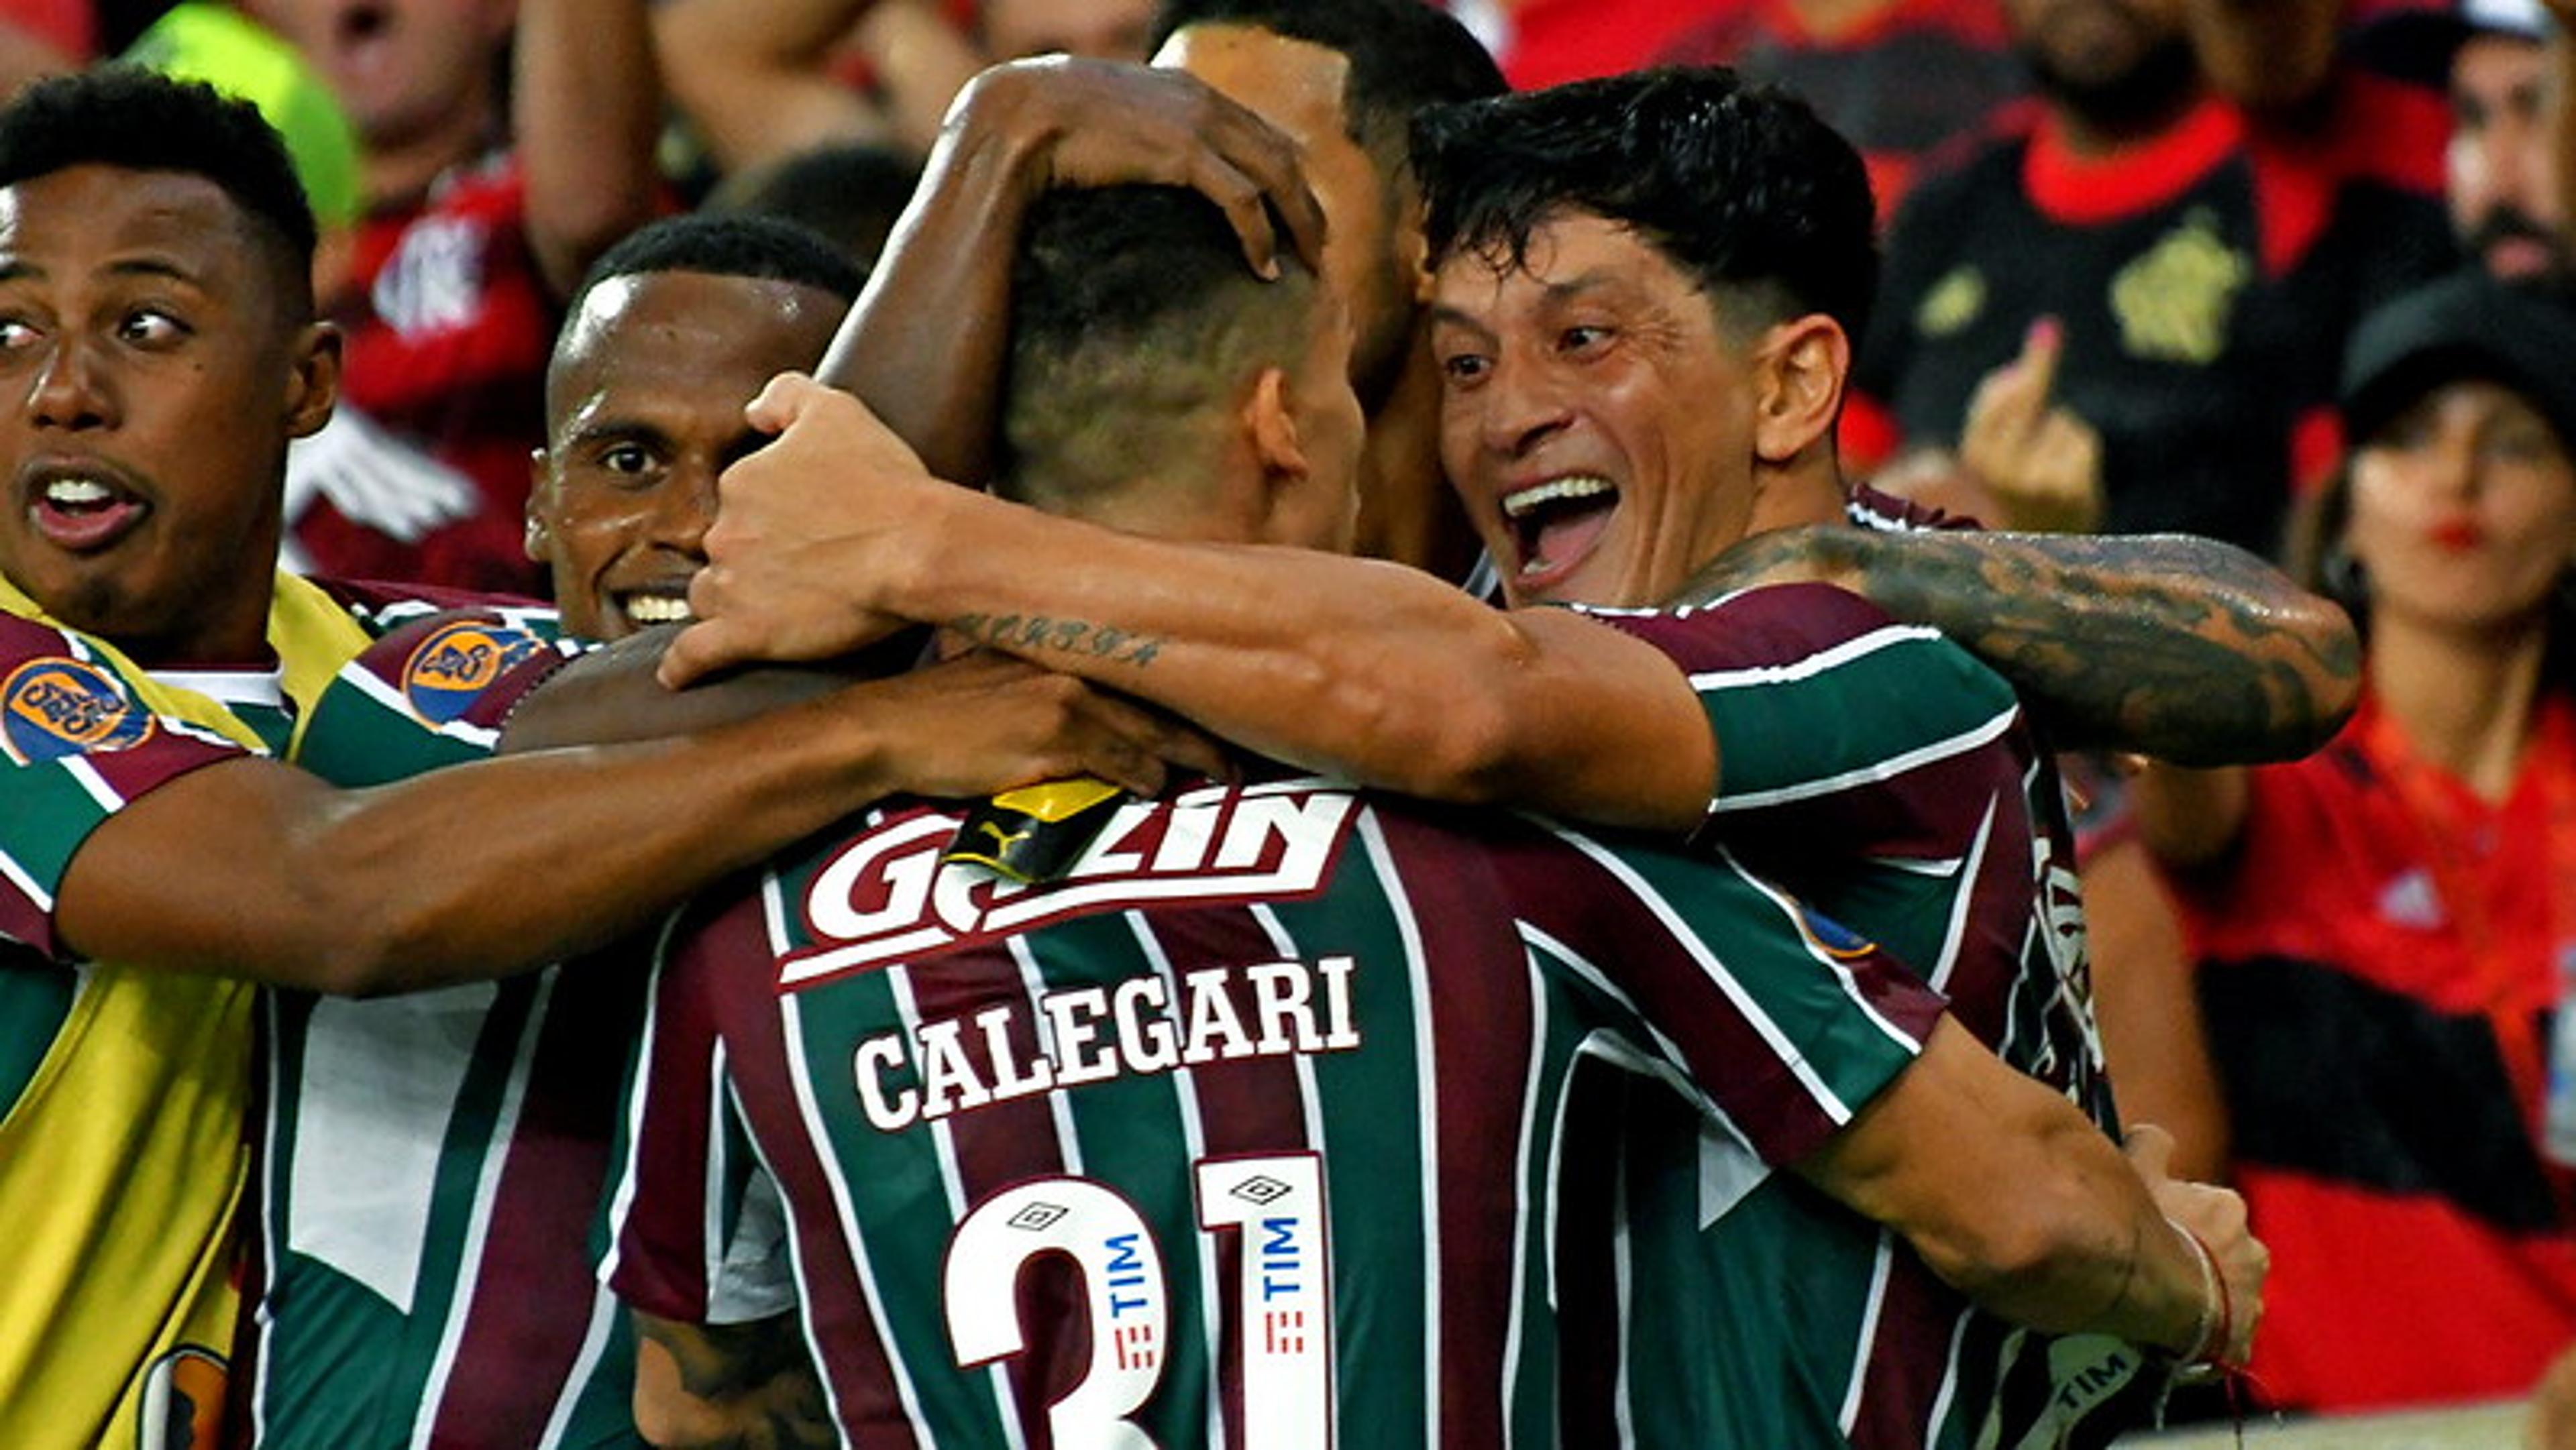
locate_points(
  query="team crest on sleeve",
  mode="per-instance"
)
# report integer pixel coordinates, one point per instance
(449, 670)
(54, 707)
(1837, 940)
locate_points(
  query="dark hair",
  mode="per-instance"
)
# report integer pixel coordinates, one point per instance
(1404, 55)
(766, 249)
(1740, 185)
(850, 193)
(1132, 313)
(140, 120)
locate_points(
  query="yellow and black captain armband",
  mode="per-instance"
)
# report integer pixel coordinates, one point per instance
(1035, 833)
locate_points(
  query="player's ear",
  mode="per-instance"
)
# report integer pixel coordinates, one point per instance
(313, 379)
(1799, 368)
(539, 540)
(1270, 425)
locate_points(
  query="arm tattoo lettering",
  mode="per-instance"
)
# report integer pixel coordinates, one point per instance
(2177, 647)
(1037, 636)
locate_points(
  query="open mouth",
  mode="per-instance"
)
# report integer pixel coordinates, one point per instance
(1557, 523)
(84, 513)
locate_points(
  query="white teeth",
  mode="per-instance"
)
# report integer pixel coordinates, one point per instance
(658, 609)
(78, 492)
(1575, 486)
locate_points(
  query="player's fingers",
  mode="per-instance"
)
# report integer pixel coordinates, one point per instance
(1159, 734)
(700, 651)
(1245, 150)
(2041, 348)
(2150, 1149)
(780, 402)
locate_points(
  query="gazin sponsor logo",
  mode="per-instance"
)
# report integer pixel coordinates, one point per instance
(451, 668)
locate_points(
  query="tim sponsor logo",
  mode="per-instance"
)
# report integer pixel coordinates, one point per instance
(888, 897)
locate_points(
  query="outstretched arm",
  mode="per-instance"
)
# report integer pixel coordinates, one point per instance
(2181, 648)
(2085, 1241)
(924, 345)
(252, 868)
(587, 99)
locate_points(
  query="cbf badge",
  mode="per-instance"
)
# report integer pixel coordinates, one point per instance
(51, 708)
(449, 670)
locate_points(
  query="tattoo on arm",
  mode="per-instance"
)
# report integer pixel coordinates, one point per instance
(757, 1374)
(2177, 647)
(1029, 635)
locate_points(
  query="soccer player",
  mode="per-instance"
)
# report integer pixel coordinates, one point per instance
(431, 1163)
(1661, 398)
(1287, 1074)
(157, 350)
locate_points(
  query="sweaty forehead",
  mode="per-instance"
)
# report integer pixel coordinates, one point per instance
(711, 338)
(83, 218)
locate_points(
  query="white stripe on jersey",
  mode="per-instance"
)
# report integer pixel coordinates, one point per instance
(1822, 1094)
(1427, 1088)
(1949, 1378)
(621, 1194)
(1530, 1081)
(604, 1310)
(1830, 658)
(1881, 1262)
(818, 1141)
(1963, 902)
(487, 1184)
(1185, 1096)
(1795, 914)
(368, 683)
(272, 1069)
(79, 768)
(1068, 1143)
(26, 883)
(1890, 768)
(714, 1235)
(1623, 1273)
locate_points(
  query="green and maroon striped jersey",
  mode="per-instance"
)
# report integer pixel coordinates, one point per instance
(430, 1164)
(1249, 1132)
(1890, 779)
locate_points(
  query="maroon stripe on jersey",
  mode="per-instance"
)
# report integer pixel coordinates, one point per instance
(1927, 812)
(525, 1327)
(1481, 1033)
(1741, 1071)
(1908, 1357)
(855, 1362)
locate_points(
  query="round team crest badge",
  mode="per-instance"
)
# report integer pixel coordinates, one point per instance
(451, 669)
(51, 708)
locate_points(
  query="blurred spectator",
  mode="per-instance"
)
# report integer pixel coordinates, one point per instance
(850, 193)
(2198, 278)
(766, 79)
(1904, 79)
(2384, 929)
(2494, 58)
(493, 175)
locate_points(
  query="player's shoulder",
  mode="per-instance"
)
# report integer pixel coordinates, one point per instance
(381, 607)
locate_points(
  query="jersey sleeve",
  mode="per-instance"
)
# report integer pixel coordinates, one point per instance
(696, 1229)
(1827, 712)
(1783, 1022)
(77, 745)
(432, 691)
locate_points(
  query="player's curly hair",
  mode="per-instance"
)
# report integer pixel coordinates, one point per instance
(1740, 185)
(140, 120)
(1132, 316)
(1404, 55)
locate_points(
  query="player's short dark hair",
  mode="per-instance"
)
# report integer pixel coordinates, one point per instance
(851, 193)
(1741, 185)
(140, 120)
(1132, 314)
(1404, 55)
(758, 248)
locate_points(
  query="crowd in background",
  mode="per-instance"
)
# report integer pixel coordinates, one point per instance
(2277, 272)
